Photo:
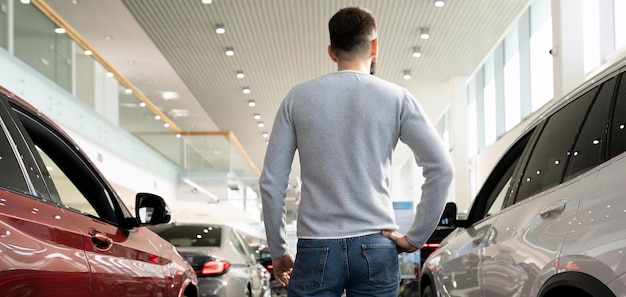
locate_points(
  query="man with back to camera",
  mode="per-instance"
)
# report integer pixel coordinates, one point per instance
(345, 126)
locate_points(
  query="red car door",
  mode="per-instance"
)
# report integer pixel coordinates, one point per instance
(122, 260)
(123, 263)
(41, 250)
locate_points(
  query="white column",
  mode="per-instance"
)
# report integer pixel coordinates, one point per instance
(568, 50)
(460, 193)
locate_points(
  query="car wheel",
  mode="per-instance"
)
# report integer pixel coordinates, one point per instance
(428, 291)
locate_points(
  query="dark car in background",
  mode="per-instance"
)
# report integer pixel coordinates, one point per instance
(63, 229)
(223, 260)
(446, 225)
(409, 287)
(263, 256)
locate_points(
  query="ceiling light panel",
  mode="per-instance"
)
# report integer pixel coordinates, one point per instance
(255, 25)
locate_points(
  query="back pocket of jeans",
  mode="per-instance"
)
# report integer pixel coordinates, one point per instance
(382, 263)
(308, 270)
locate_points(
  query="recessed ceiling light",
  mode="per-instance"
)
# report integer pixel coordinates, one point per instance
(260, 124)
(251, 103)
(219, 29)
(240, 74)
(424, 33)
(128, 91)
(265, 135)
(230, 51)
(157, 117)
(88, 53)
(166, 125)
(169, 95)
(417, 52)
(25, 1)
(207, 1)
(246, 90)
(59, 30)
(440, 3)
(178, 113)
(178, 135)
(407, 74)
(142, 104)
(257, 116)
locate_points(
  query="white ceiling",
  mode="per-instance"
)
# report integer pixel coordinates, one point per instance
(171, 45)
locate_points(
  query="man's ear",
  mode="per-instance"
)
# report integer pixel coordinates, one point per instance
(374, 47)
(331, 54)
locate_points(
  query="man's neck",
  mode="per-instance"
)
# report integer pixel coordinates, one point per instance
(355, 65)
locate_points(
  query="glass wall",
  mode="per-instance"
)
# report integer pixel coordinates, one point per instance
(604, 30)
(591, 38)
(619, 7)
(443, 128)
(37, 44)
(515, 79)
(211, 159)
(541, 72)
(489, 100)
(4, 24)
(512, 77)
(472, 120)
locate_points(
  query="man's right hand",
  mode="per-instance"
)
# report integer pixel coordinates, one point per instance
(402, 243)
(282, 268)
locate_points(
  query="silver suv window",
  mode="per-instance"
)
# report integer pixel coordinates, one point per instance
(618, 125)
(575, 137)
(549, 157)
(589, 151)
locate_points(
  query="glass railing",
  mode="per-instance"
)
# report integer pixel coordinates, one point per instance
(41, 39)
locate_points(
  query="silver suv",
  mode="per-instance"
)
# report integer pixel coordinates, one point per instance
(550, 220)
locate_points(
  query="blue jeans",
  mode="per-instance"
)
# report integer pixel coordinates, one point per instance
(362, 266)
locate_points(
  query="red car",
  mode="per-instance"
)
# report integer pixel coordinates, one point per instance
(63, 229)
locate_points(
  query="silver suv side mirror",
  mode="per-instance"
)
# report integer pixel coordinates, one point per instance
(448, 217)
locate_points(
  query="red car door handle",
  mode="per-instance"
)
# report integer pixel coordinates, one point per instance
(101, 241)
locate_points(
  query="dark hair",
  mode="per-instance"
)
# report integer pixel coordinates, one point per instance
(351, 31)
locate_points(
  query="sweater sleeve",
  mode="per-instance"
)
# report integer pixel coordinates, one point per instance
(431, 155)
(274, 179)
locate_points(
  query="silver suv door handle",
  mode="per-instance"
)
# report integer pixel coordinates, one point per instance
(553, 210)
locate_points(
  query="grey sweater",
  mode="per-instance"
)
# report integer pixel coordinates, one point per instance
(345, 126)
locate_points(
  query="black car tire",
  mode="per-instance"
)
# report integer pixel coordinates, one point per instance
(428, 291)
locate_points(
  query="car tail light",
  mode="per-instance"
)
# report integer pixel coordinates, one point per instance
(215, 267)
(432, 246)
(270, 267)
